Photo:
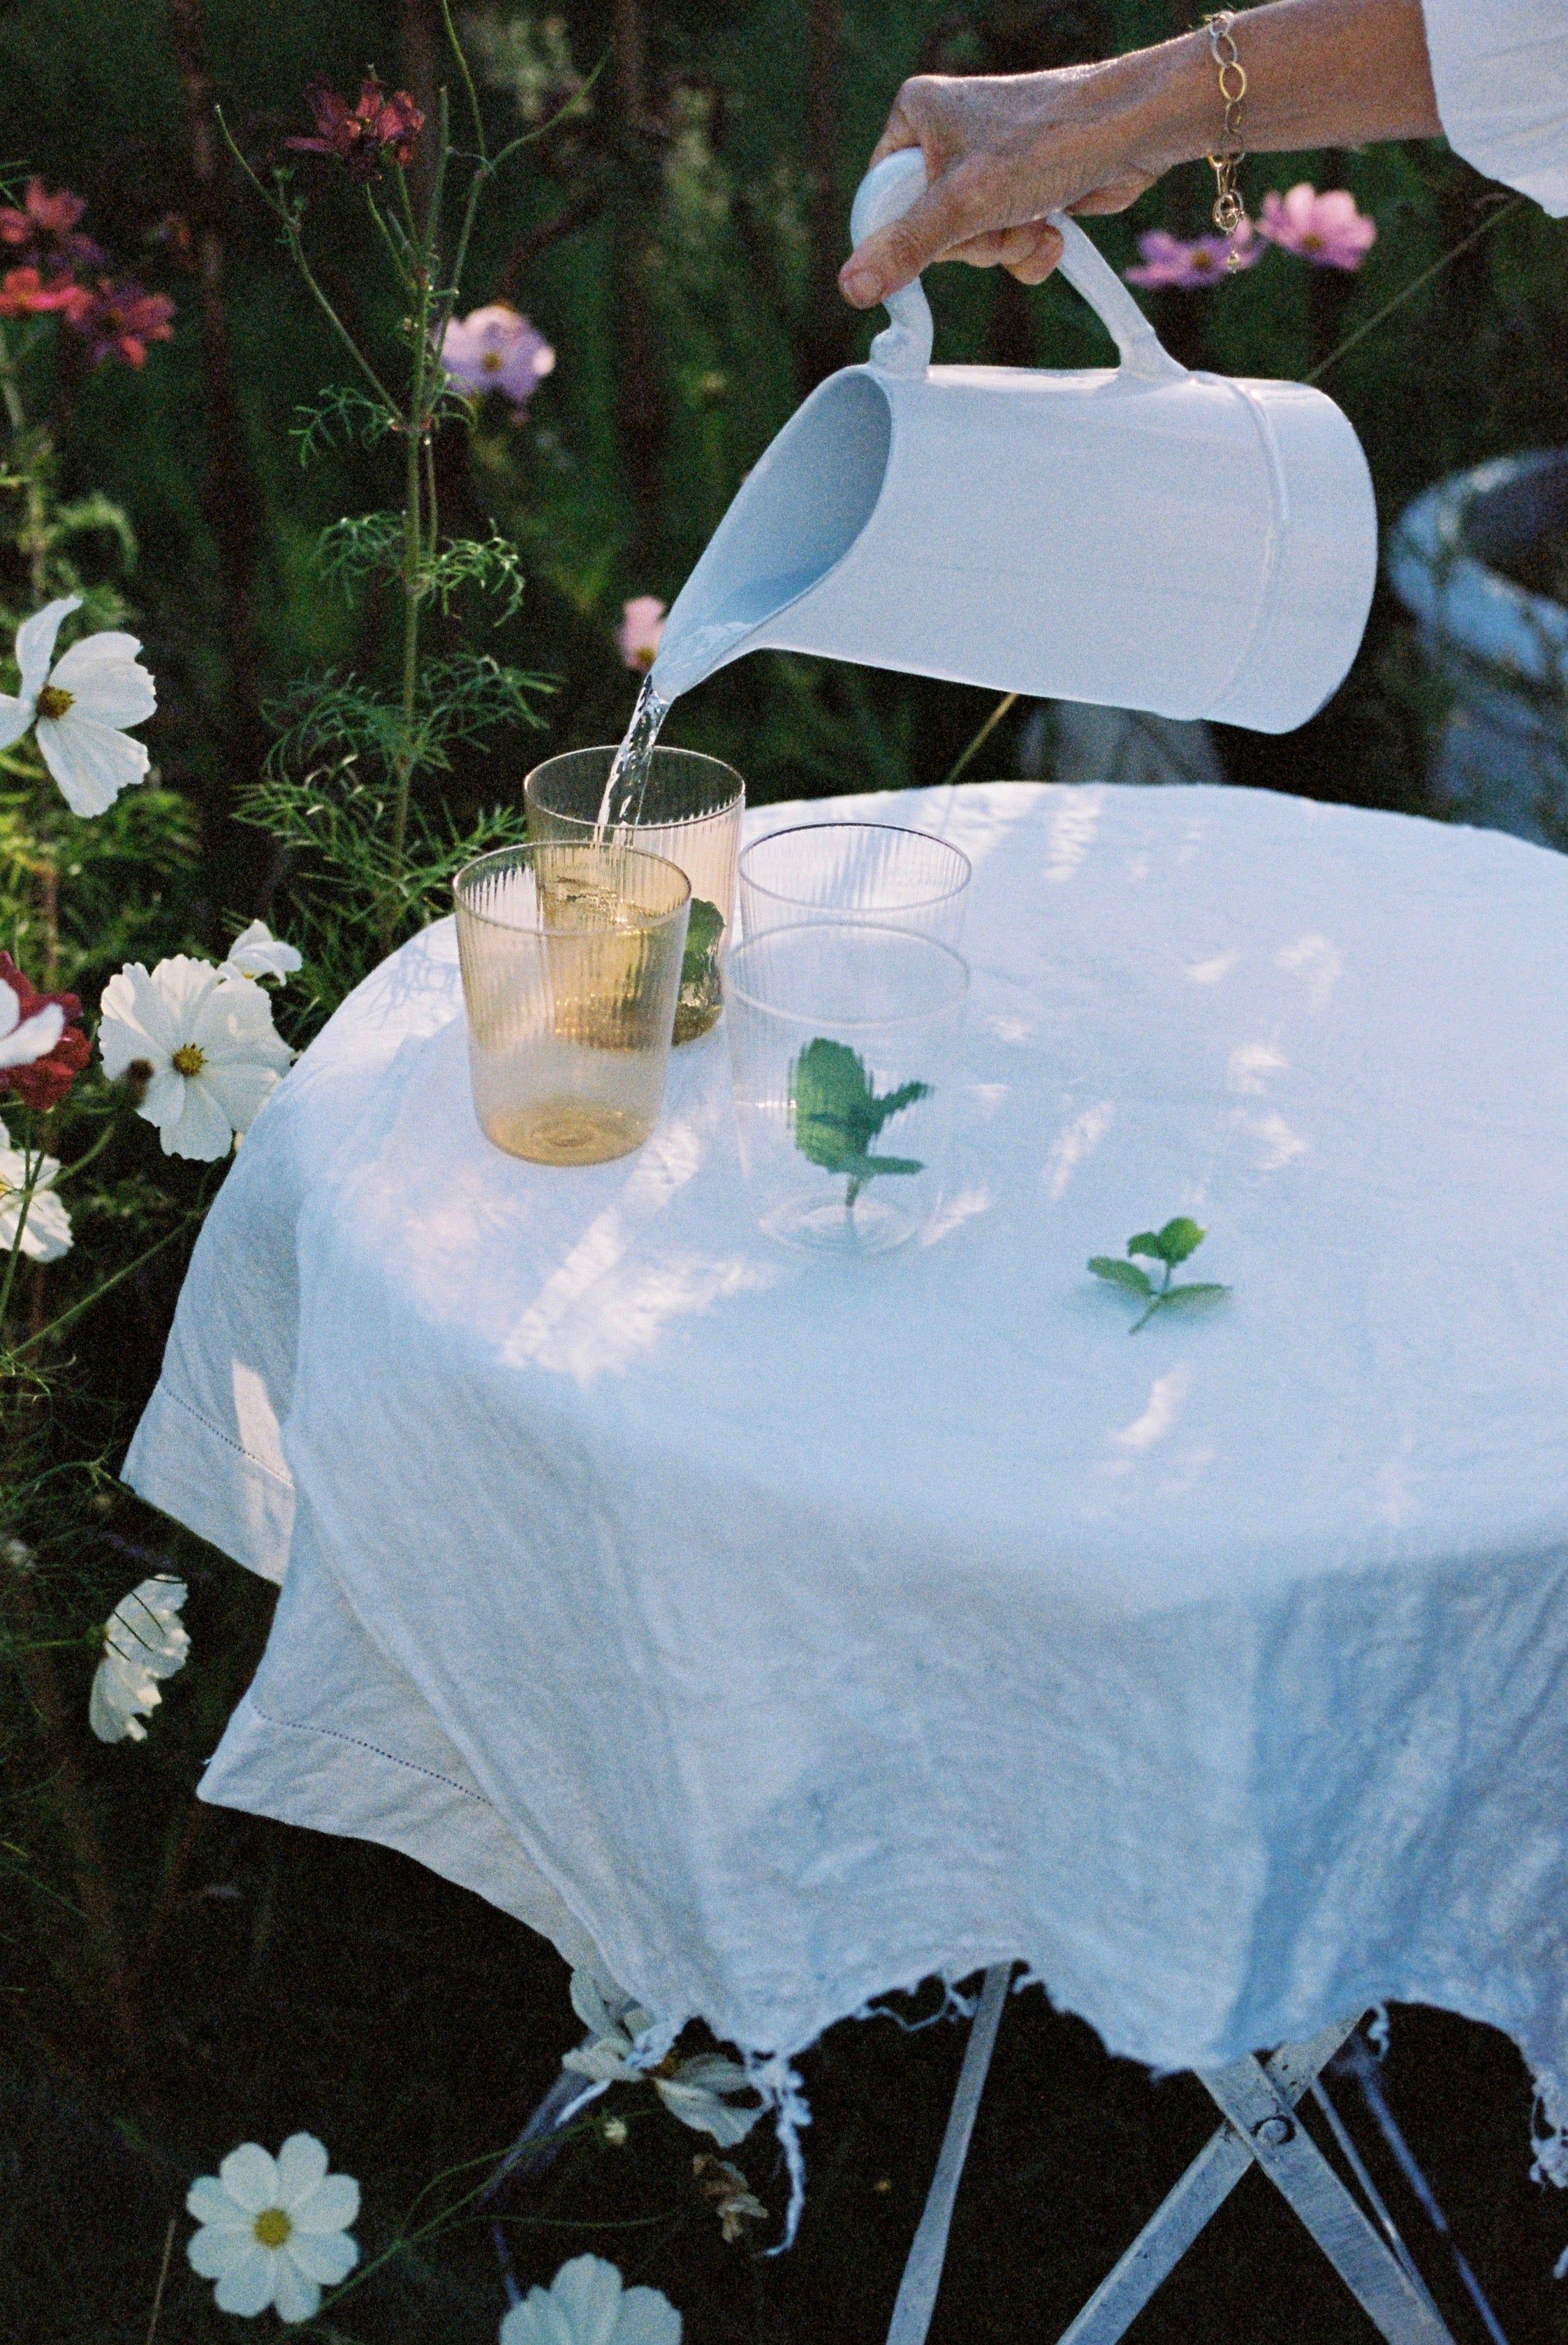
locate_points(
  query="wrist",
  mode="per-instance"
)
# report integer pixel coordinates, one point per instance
(1163, 103)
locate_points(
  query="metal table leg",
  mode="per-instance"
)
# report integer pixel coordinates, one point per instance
(1259, 2099)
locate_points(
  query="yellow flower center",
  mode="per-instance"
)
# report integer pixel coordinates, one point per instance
(188, 1060)
(491, 363)
(272, 2227)
(1311, 241)
(53, 702)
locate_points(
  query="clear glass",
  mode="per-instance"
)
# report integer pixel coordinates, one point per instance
(873, 872)
(691, 812)
(571, 965)
(844, 1046)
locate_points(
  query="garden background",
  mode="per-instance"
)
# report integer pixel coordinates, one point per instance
(174, 1979)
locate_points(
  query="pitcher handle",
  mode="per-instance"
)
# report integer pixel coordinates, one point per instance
(903, 347)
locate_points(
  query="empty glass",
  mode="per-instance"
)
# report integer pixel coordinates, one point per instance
(691, 812)
(570, 964)
(843, 1049)
(873, 872)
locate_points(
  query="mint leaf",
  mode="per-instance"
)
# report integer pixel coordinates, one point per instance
(1199, 1294)
(1179, 1238)
(835, 1114)
(704, 927)
(1146, 1243)
(1121, 1274)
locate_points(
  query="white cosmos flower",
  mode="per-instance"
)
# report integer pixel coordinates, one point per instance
(23, 1039)
(79, 707)
(144, 1640)
(207, 1044)
(587, 2304)
(274, 2230)
(694, 2090)
(257, 952)
(46, 1233)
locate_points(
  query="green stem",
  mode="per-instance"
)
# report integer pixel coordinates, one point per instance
(98, 1293)
(29, 1184)
(1414, 286)
(34, 537)
(457, 50)
(68, 1172)
(983, 735)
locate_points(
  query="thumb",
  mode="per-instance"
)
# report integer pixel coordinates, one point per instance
(944, 216)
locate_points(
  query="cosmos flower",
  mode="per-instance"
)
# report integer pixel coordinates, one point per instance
(144, 1641)
(42, 1071)
(360, 135)
(202, 1046)
(1206, 261)
(274, 2230)
(587, 2303)
(640, 631)
(44, 226)
(46, 1230)
(119, 319)
(694, 2090)
(496, 348)
(24, 293)
(1326, 229)
(80, 706)
(257, 952)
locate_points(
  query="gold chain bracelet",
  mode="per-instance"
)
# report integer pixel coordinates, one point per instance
(1229, 210)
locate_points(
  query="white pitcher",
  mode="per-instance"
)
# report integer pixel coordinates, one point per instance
(1140, 536)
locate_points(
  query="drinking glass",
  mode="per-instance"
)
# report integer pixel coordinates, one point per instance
(843, 1045)
(570, 964)
(872, 872)
(690, 812)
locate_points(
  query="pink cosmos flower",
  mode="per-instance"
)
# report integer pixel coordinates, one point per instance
(496, 348)
(1166, 260)
(360, 134)
(640, 632)
(1326, 229)
(45, 224)
(24, 294)
(120, 318)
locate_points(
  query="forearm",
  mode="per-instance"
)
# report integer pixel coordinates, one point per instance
(1319, 72)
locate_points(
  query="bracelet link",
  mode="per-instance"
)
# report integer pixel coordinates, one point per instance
(1229, 214)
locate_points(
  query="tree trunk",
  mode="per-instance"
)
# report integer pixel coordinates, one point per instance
(422, 52)
(235, 855)
(640, 413)
(825, 333)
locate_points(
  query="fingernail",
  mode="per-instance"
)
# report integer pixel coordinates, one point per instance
(859, 285)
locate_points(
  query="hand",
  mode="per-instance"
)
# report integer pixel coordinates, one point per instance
(1003, 151)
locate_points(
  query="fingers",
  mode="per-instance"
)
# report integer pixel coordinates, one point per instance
(1030, 253)
(900, 133)
(942, 218)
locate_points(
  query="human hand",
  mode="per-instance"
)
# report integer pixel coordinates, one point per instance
(1002, 151)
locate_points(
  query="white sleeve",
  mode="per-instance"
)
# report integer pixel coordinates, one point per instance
(1500, 68)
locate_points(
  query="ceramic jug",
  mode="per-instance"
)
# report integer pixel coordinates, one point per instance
(1139, 536)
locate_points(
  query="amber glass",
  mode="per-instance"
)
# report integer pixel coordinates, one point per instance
(572, 966)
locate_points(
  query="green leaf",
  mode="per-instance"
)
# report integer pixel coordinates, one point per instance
(835, 1114)
(1121, 1274)
(1199, 1294)
(1173, 1243)
(703, 929)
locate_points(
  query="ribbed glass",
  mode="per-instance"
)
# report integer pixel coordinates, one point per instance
(872, 873)
(691, 813)
(571, 967)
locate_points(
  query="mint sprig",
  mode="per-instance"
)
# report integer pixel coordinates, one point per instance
(1171, 1245)
(835, 1114)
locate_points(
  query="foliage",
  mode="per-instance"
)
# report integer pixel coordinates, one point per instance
(837, 1113)
(1171, 1245)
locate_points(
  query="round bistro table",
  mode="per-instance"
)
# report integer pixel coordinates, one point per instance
(774, 1632)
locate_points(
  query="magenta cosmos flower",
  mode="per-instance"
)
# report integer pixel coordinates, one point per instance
(43, 228)
(1327, 230)
(120, 319)
(1167, 261)
(496, 348)
(641, 630)
(360, 136)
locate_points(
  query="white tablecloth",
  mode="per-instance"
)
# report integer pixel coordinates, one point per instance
(773, 1633)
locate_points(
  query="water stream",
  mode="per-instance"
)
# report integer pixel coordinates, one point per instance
(626, 784)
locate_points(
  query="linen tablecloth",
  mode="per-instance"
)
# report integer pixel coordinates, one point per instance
(773, 1633)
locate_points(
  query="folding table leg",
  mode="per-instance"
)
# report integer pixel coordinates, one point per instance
(1296, 2167)
(1208, 2182)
